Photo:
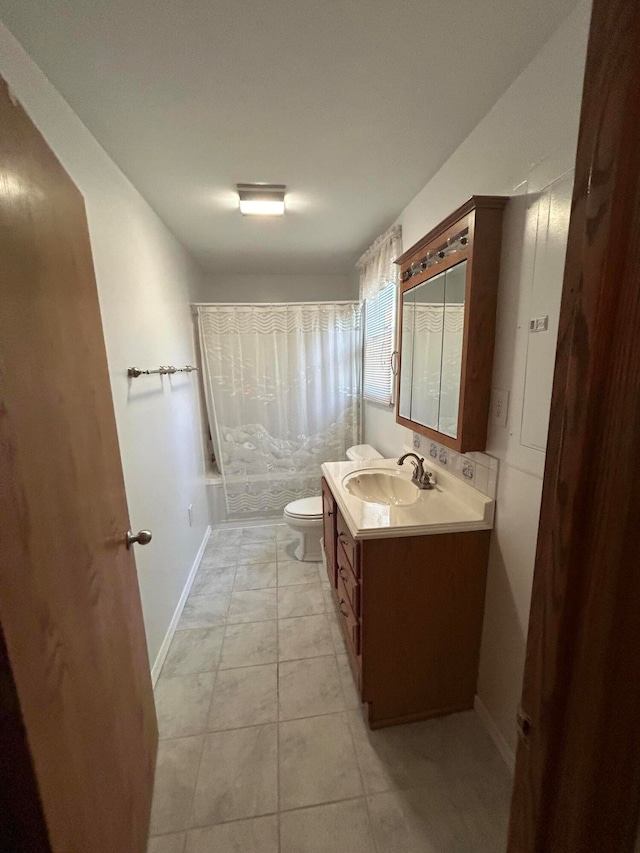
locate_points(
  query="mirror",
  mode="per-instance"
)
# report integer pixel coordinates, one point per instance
(431, 355)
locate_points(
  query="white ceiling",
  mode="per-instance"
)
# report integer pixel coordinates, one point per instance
(353, 104)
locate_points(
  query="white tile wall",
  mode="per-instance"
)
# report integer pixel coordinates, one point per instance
(475, 469)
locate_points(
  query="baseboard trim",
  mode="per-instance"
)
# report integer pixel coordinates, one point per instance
(504, 749)
(168, 637)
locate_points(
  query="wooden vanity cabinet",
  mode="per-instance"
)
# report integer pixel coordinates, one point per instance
(411, 611)
(329, 510)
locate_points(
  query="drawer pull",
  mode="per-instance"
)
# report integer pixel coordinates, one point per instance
(346, 615)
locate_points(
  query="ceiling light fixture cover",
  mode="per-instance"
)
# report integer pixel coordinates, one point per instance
(261, 199)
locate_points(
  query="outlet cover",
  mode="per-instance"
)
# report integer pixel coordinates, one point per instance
(499, 407)
(190, 512)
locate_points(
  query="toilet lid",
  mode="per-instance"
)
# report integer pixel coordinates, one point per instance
(305, 508)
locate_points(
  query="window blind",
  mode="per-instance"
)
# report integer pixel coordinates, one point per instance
(379, 343)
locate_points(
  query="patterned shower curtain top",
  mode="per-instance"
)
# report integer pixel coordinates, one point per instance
(264, 319)
(282, 388)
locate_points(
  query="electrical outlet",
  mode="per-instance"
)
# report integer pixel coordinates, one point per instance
(499, 407)
(190, 513)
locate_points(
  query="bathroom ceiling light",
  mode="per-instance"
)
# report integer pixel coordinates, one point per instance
(261, 199)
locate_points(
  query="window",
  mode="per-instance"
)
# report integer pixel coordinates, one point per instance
(379, 345)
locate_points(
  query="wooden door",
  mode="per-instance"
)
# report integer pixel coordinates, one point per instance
(577, 781)
(76, 704)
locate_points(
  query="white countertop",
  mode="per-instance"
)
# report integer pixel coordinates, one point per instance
(452, 507)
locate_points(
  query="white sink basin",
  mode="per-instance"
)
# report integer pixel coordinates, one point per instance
(381, 486)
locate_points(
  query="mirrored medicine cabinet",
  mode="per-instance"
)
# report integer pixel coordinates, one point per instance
(449, 284)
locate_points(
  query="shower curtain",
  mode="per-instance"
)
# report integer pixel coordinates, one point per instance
(282, 386)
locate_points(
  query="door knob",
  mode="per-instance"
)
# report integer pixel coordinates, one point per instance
(524, 723)
(142, 537)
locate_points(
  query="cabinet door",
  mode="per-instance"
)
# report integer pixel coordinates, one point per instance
(329, 531)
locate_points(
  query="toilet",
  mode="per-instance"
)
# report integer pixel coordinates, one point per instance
(305, 515)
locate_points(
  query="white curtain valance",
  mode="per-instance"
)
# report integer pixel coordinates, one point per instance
(377, 267)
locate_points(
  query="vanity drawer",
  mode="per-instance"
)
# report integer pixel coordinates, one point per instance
(348, 582)
(348, 622)
(349, 544)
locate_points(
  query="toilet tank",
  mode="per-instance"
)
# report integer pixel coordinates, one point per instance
(362, 452)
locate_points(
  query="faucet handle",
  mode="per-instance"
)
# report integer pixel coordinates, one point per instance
(415, 467)
(428, 478)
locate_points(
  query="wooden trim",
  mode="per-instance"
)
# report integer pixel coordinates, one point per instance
(444, 265)
(476, 202)
(479, 330)
(440, 437)
(329, 533)
(416, 718)
(577, 781)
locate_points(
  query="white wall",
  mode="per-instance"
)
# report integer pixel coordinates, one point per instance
(145, 280)
(278, 288)
(524, 144)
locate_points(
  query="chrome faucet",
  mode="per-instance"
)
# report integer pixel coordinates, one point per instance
(421, 478)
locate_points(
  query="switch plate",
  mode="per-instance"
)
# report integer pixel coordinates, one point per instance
(499, 406)
(190, 513)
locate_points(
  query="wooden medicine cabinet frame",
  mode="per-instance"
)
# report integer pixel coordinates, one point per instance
(479, 220)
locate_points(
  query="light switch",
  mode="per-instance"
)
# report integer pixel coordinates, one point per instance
(499, 407)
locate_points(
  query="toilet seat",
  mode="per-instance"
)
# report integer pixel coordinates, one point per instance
(304, 516)
(305, 508)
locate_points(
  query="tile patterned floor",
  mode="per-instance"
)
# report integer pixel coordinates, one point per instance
(264, 748)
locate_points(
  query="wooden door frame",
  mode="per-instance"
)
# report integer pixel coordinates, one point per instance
(577, 780)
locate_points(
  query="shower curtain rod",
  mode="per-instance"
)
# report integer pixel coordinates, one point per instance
(264, 304)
